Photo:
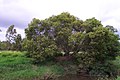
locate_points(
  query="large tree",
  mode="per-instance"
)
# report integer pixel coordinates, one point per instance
(10, 35)
(92, 44)
(14, 40)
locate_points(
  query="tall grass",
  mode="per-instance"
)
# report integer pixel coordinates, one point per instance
(15, 66)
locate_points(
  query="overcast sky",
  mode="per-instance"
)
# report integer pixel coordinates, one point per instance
(21, 12)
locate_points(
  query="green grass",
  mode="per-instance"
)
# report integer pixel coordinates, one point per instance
(118, 78)
(15, 66)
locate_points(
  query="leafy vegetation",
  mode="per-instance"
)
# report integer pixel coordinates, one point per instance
(14, 65)
(61, 38)
(91, 44)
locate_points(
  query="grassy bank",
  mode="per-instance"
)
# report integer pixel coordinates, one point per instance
(15, 66)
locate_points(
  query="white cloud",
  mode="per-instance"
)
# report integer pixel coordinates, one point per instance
(20, 31)
(2, 34)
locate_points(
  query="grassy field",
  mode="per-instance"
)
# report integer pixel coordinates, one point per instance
(118, 78)
(15, 66)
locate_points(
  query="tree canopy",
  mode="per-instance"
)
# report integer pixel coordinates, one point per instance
(14, 40)
(90, 42)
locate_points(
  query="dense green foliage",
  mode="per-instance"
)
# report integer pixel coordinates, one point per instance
(93, 45)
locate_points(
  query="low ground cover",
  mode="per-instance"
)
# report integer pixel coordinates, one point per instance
(15, 66)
